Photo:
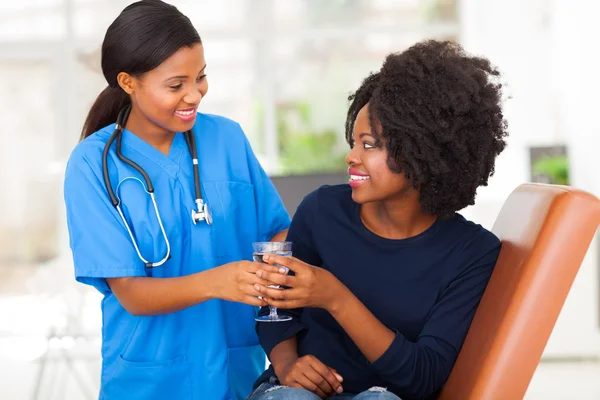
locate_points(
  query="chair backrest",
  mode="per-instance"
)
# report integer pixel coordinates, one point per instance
(545, 232)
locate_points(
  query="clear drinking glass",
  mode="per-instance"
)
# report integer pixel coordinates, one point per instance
(282, 249)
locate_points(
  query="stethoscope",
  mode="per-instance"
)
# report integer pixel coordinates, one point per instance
(202, 213)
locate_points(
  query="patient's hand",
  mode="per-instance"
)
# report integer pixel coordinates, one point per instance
(310, 286)
(311, 374)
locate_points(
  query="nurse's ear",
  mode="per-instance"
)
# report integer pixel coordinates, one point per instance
(127, 82)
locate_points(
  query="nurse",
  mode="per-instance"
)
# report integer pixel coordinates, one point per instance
(184, 329)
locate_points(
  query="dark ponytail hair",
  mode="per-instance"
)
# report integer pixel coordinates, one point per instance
(144, 35)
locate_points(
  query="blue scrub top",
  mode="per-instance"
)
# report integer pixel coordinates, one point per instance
(208, 351)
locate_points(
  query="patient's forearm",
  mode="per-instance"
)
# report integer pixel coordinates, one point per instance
(284, 354)
(368, 333)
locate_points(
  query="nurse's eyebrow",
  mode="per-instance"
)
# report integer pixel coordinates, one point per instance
(184, 76)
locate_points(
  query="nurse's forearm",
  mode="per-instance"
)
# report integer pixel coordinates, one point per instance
(143, 296)
(236, 281)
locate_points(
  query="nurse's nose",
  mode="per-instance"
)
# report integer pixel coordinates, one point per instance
(193, 96)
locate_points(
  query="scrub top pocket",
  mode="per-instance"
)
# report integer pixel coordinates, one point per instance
(156, 380)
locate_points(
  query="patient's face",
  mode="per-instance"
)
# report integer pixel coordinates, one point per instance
(370, 176)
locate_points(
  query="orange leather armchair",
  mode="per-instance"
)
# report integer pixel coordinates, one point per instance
(546, 231)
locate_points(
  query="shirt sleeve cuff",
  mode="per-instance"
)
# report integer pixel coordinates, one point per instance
(280, 226)
(271, 334)
(96, 277)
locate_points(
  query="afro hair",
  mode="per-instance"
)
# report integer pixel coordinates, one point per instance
(438, 112)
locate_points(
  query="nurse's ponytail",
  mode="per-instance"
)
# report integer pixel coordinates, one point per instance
(144, 35)
(105, 110)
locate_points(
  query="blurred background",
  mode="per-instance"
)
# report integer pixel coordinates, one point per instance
(283, 69)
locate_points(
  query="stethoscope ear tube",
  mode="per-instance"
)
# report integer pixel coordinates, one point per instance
(139, 169)
(123, 114)
(202, 212)
(191, 141)
(117, 135)
(107, 184)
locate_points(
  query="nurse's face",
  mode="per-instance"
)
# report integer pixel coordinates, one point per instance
(166, 98)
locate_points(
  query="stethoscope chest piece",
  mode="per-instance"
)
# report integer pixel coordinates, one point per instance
(202, 213)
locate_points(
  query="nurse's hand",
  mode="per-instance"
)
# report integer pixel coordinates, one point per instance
(310, 287)
(237, 281)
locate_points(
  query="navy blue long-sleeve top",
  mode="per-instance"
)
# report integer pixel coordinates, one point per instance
(425, 288)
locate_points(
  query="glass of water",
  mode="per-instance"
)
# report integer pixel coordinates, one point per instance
(282, 249)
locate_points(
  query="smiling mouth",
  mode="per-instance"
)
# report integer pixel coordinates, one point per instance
(186, 113)
(358, 180)
(359, 177)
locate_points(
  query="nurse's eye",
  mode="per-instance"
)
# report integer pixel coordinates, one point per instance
(200, 78)
(176, 87)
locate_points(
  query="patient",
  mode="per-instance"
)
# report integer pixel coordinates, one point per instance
(387, 274)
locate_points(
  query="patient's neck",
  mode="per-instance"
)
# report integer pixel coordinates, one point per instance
(396, 218)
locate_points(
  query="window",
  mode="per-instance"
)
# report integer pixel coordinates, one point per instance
(282, 68)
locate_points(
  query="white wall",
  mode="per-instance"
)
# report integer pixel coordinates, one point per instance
(545, 50)
(575, 62)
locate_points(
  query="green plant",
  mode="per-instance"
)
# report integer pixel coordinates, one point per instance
(439, 10)
(556, 168)
(303, 148)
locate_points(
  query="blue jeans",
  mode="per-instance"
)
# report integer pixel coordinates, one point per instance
(272, 391)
